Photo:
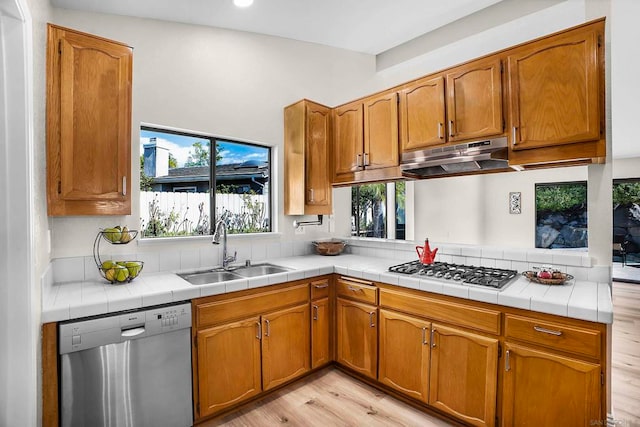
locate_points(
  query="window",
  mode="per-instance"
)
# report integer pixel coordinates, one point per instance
(561, 215)
(370, 204)
(626, 219)
(176, 183)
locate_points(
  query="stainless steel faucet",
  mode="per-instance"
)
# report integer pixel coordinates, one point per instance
(221, 228)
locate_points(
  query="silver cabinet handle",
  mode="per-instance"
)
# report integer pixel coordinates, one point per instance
(513, 135)
(424, 336)
(433, 341)
(371, 321)
(351, 288)
(440, 125)
(366, 159)
(124, 185)
(311, 195)
(259, 336)
(315, 312)
(326, 285)
(507, 361)
(358, 162)
(450, 127)
(268, 332)
(547, 331)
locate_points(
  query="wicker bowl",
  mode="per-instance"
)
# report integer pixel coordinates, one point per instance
(557, 279)
(329, 247)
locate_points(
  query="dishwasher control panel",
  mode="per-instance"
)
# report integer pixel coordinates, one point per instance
(119, 327)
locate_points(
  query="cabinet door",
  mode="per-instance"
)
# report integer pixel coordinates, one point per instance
(320, 315)
(404, 354)
(285, 345)
(347, 142)
(543, 389)
(357, 337)
(88, 124)
(554, 95)
(474, 100)
(464, 375)
(422, 114)
(228, 365)
(381, 131)
(317, 161)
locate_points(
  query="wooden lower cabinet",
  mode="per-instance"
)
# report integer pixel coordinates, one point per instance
(357, 336)
(404, 354)
(228, 364)
(320, 332)
(285, 345)
(541, 388)
(464, 374)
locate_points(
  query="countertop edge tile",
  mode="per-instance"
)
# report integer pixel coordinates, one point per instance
(68, 300)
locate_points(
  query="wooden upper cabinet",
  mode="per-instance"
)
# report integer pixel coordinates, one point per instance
(474, 100)
(544, 389)
(307, 129)
(381, 131)
(464, 375)
(422, 114)
(88, 124)
(348, 139)
(555, 90)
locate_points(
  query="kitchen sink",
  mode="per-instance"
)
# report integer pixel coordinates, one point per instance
(260, 270)
(208, 276)
(241, 272)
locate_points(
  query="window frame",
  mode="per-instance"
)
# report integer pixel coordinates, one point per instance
(213, 142)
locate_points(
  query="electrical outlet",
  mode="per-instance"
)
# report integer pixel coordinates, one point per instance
(300, 230)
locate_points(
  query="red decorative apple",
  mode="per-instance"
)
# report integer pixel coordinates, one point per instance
(544, 274)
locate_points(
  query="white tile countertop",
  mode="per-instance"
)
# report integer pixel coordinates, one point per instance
(71, 300)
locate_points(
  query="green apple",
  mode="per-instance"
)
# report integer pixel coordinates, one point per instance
(106, 265)
(134, 268)
(112, 234)
(122, 273)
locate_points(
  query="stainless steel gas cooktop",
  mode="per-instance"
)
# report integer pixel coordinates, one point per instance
(480, 276)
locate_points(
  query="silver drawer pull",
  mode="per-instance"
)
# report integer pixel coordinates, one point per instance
(326, 285)
(547, 331)
(351, 288)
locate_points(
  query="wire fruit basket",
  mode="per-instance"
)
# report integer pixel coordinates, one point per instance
(116, 271)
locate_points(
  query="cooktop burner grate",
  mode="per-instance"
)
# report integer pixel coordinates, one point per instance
(472, 275)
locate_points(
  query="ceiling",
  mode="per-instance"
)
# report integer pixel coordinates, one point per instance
(368, 26)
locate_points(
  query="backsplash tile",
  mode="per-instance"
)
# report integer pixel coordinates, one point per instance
(68, 269)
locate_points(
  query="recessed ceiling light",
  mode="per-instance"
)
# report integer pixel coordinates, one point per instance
(243, 3)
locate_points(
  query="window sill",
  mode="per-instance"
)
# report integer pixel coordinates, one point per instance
(197, 239)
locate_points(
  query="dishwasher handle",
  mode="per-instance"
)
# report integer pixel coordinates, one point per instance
(133, 332)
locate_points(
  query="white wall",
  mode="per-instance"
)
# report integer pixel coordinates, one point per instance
(218, 82)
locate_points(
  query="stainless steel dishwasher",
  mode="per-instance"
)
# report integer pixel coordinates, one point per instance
(129, 369)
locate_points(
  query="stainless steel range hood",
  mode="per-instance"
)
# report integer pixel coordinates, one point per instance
(467, 158)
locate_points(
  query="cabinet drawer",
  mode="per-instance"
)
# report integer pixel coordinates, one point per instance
(554, 335)
(360, 290)
(477, 318)
(249, 305)
(319, 289)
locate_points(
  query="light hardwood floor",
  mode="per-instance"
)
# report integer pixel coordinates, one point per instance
(328, 398)
(331, 398)
(625, 357)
